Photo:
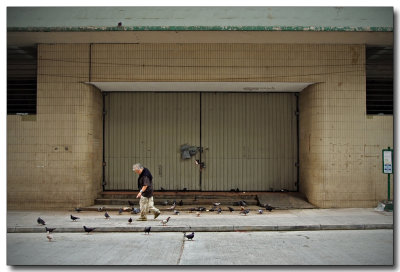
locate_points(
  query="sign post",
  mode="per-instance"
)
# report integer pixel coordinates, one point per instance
(387, 168)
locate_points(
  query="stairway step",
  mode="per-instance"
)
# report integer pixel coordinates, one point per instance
(159, 202)
(180, 195)
(165, 209)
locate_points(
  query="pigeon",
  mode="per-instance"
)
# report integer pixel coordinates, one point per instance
(212, 209)
(216, 204)
(242, 203)
(147, 230)
(245, 212)
(172, 207)
(192, 210)
(219, 210)
(131, 203)
(165, 221)
(74, 218)
(260, 211)
(135, 211)
(269, 208)
(120, 211)
(201, 209)
(189, 236)
(184, 189)
(40, 221)
(88, 229)
(176, 212)
(100, 209)
(78, 210)
(49, 236)
(231, 209)
(107, 215)
(162, 189)
(165, 203)
(50, 229)
(181, 203)
(130, 220)
(237, 190)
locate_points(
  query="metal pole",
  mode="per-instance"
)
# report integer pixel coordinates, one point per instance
(388, 187)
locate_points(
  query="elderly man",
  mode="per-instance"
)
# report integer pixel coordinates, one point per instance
(145, 184)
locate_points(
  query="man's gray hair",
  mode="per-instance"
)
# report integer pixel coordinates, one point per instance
(137, 166)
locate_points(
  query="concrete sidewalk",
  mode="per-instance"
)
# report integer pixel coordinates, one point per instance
(277, 220)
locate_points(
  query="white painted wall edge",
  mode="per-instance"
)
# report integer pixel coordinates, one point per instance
(201, 86)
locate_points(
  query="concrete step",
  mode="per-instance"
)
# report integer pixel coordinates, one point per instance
(184, 208)
(280, 200)
(160, 202)
(181, 195)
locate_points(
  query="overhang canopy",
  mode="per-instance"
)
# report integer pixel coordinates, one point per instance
(201, 86)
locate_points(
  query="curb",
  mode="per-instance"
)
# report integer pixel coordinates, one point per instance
(209, 228)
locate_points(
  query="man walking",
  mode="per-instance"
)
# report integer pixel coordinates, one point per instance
(145, 185)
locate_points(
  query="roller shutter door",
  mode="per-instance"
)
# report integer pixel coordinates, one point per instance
(249, 140)
(149, 128)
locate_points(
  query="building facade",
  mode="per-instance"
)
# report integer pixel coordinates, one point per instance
(266, 99)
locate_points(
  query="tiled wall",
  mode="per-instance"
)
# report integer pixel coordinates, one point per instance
(54, 158)
(340, 146)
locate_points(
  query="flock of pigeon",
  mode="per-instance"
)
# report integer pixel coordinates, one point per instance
(216, 207)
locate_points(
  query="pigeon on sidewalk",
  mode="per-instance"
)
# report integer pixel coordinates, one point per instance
(49, 236)
(130, 220)
(189, 236)
(172, 207)
(40, 221)
(192, 210)
(74, 218)
(269, 207)
(107, 216)
(147, 230)
(49, 229)
(135, 210)
(88, 229)
(231, 209)
(165, 221)
(245, 212)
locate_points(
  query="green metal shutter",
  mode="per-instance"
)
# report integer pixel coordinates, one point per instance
(250, 141)
(149, 128)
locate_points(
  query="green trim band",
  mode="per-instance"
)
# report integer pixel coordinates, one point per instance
(199, 28)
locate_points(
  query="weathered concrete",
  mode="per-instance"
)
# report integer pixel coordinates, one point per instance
(355, 247)
(277, 220)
